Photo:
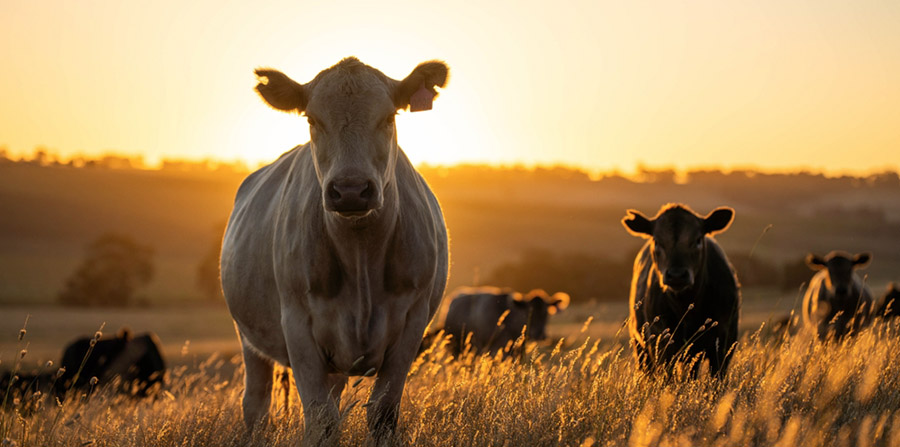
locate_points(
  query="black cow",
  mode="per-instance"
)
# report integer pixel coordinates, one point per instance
(136, 361)
(837, 300)
(889, 305)
(685, 298)
(478, 311)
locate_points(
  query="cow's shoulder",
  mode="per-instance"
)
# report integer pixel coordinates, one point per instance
(420, 237)
(718, 267)
(267, 179)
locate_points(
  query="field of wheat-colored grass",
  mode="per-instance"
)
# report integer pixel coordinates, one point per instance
(779, 391)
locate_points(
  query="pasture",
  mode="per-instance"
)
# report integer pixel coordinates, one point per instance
(583, 388)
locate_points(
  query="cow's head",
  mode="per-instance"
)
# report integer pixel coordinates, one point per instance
(678, 240)
(350, 108)
(537, 306)
(840, 266)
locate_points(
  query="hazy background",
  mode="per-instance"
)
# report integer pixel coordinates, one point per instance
(785, 110)
(595, 84)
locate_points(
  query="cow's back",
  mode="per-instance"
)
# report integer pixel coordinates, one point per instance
(477, 314)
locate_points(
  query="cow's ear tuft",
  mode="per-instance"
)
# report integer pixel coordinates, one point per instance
(417, 91)
(861, 260)
(280, 91)
(637, 224)
(718, 221)
(815, 262)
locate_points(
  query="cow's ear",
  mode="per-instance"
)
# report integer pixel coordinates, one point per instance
(718, 221)
(815, 262)
(558, 302)
(861, 260)
(417, 90)
(637, 224)
(280, 91)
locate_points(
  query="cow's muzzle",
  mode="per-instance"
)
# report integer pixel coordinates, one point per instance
(350, 196)
(678, 279)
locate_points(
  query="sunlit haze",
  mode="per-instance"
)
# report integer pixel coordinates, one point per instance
(601, 85)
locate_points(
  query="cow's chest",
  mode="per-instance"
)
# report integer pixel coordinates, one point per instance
(361, 322)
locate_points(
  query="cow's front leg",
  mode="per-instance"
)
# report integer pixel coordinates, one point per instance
(384, 403)
(320, 411)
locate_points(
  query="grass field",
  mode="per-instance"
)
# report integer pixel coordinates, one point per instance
(582, 390)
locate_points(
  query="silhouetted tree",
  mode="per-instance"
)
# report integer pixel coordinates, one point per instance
(208, 268)
(115, 266)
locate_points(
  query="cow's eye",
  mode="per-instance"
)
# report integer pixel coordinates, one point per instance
(700, 241)
(388, 121)
(312, 121)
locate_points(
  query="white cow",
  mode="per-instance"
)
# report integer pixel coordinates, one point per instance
(336, 255)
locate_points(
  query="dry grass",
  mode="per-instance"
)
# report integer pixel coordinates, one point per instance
(794, 392)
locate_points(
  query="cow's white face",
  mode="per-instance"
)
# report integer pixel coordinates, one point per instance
(350, 108)
(354, 144)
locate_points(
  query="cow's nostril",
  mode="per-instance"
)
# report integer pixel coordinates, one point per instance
(333, 192)
(366, 193)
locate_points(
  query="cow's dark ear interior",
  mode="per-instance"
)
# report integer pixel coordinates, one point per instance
(417, 91)
(718, 221)
(637, 224)
(862, 259)
(815, 262)
(280, 91)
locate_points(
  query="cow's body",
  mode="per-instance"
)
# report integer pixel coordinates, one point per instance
(889, 305)
(698, 316)
(136, 361)
(478, 312)
(341, 289)
(837, 301)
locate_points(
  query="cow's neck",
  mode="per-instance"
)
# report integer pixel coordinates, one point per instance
(361, 246)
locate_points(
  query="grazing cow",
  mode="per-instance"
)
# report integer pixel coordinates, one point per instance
(685, 298)
(889, 306)
(836, 299)
(495, 317)
(136, 361)
(335, 257)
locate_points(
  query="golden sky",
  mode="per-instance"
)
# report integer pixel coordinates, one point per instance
(775, 84)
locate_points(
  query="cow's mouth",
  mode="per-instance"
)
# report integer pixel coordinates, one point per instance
(353, 214)
(677, 287)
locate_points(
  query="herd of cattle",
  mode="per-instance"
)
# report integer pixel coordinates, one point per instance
(335, 259)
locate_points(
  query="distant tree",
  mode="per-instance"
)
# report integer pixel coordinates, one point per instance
(208, 268)
(115, 266)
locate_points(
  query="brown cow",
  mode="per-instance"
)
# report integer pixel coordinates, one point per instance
(837, 300)
(495, 317)
(336, 255)
(685, 298)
